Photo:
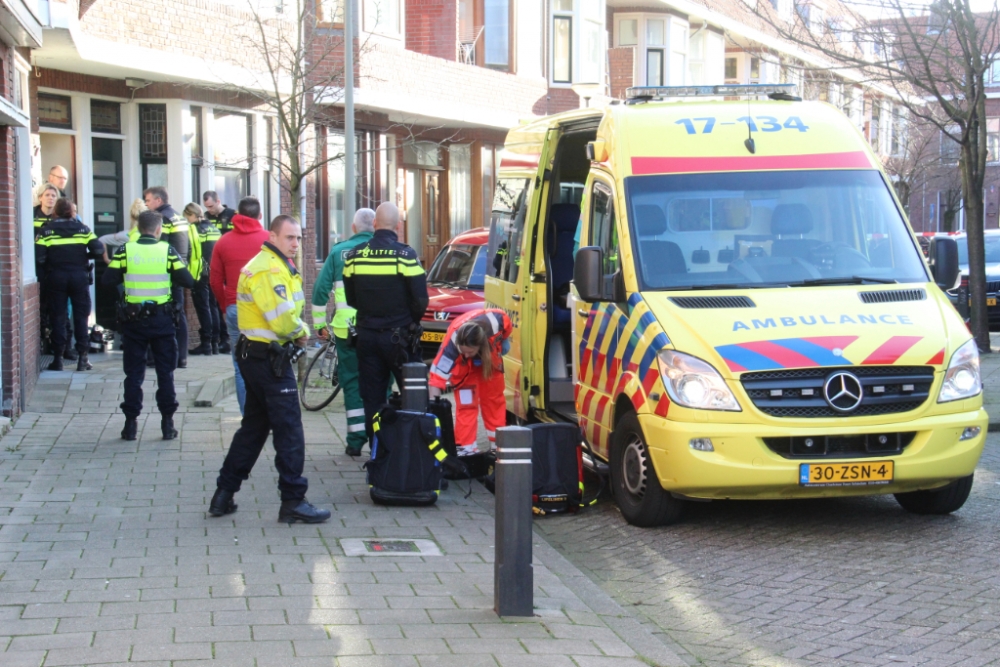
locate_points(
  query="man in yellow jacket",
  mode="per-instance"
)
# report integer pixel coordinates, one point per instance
(269, 301)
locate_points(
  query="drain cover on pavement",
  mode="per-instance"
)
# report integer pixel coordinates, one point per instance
(375, 547)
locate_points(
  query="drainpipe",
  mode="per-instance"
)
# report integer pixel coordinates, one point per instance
(350, 181)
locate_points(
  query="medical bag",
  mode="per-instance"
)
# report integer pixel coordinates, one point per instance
(405, 466)
(473, 466)
(556, 468)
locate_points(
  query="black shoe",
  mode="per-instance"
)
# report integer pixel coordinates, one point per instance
(56, 364)
(224, 347)
(183, 363)
(215, 348)
(204, 349)
(70, 353)
(131, 430)
(83, 364)
(351, 451)
(222, 503)
(167, 427)
(301, 510)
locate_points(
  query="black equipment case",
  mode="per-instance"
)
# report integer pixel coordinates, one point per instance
(405, 466)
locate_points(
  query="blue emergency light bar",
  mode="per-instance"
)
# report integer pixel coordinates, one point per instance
(775, 91)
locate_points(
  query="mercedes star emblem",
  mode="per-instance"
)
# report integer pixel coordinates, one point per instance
(843, 391)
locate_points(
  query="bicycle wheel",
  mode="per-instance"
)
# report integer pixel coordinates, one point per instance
(319, 383)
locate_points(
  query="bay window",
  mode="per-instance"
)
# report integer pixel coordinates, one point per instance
(661, 41)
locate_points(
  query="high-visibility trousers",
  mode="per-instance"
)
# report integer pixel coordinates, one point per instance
(474, 395)
(347, 374)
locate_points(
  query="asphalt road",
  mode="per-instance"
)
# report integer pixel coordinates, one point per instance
(800, 583)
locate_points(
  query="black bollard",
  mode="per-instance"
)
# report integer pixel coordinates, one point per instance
(513, 579)
(415, 387)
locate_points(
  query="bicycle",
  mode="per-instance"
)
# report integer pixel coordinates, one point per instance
(319, 384)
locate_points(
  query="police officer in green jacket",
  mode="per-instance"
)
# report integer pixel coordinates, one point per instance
(151, 271)
(332, 277)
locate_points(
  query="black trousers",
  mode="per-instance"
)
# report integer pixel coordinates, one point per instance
(71, 286)
(181, 326)
(380, 359)
(156, 333)
(208, 312)
(223, 329)
(272, 405)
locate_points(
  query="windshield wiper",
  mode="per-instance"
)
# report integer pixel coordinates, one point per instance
(846, 280)
(725, 286)
(446, 283)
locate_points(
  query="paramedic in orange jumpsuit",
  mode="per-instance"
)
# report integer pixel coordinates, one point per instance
(470, 362)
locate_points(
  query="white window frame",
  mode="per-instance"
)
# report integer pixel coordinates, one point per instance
(380, 28)
(669, 49)
(578, 24)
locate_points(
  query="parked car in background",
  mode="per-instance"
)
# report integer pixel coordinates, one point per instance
(455, 285)
(992, 247)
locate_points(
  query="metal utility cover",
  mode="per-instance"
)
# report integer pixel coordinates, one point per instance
(377, 547)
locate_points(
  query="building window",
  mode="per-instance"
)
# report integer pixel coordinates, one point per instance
(497, 34)
(330, 11)
(731, 68)
(232, 144)
(562, 49)
(874, 129)
(460, 187)
(55, 111)
(993, 146)
(654, 67)
(662, 47)
(950, 150)
(382, 16)
(197, 150)
(628, 32)
(105, 117)
(153, 144)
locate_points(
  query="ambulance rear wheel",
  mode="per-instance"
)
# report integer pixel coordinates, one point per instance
(634, 482)
(945, 500)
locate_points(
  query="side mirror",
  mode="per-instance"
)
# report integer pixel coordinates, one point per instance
(587, 273)
(943, 254)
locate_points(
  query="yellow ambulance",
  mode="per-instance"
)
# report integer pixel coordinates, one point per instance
(719, 286)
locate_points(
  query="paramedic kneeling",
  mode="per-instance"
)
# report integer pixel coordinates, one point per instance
(471, 362)
(269, 303)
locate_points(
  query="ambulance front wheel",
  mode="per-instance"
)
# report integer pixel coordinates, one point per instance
(634, 483)
(945, 500)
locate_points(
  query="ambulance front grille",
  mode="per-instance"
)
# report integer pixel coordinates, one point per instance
(793, 393)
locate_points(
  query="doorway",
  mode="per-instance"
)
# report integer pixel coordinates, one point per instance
(422, 199)
(108, 218)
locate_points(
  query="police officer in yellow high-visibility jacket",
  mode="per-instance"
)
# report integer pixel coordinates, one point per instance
(149, 269)
(269, 303)
(177, 233)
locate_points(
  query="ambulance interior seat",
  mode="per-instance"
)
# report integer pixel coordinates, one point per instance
(792, 219)
(660, 259)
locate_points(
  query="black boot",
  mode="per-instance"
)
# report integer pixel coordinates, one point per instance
(215, 347)
(56, 364)
(83, 364)
(301, 510)
(222, 503)
(204, 349)
(167, 427)
(224, 347)
(131, 430)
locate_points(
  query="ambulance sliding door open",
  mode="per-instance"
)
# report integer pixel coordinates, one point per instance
(560, 220)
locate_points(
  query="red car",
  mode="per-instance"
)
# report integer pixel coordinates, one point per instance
(455, 285)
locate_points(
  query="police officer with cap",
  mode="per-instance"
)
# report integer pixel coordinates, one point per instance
(151, 270)
(384, 281)
(269, 301)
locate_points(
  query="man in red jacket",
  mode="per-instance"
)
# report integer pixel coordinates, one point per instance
(231, 253)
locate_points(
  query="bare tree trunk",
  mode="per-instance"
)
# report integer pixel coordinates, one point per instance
(972, 191)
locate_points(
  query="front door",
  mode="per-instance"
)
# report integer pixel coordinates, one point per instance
(109, 217)
(434, 236)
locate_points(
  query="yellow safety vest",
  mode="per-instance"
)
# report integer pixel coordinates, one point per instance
(269, 300)
(147, 271)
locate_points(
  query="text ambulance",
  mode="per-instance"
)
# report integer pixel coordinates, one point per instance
(749, 316)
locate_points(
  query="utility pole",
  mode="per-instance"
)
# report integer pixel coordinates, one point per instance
(350, 186)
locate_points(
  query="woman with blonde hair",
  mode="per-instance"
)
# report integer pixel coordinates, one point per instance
(45, 211)
(123, 237)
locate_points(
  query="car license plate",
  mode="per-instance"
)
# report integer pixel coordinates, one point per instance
(432, 336)
(845, 474)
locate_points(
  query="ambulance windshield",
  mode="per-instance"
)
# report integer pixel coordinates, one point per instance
(768, 229)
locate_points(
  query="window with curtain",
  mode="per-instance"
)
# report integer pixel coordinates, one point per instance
(460, 187)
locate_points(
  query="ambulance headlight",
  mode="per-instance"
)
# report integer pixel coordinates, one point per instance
(962, 379)
(693, 383)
